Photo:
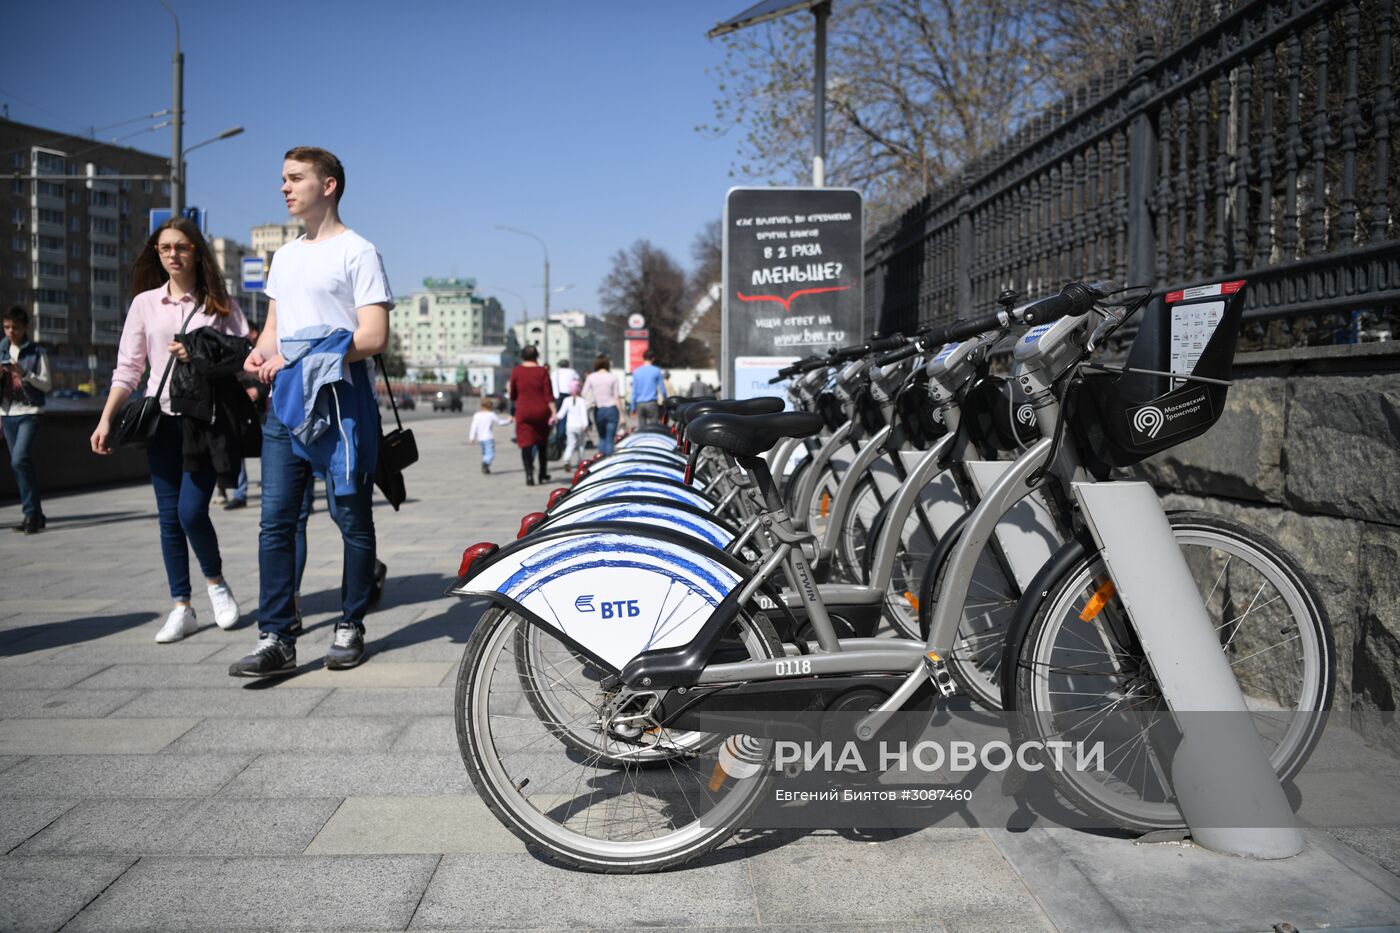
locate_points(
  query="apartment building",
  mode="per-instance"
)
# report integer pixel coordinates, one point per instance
(440, 327)
(71, 236)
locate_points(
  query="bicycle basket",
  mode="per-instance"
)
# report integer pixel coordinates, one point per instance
(831, 410)
(1119, 419)
(916, 422)
(998, 416)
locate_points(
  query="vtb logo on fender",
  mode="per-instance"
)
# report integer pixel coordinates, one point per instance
(610, 608)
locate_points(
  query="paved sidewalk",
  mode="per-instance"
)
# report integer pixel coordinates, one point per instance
(141, 788)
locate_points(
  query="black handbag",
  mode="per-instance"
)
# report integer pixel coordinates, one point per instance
(397, 452)
(137, 421)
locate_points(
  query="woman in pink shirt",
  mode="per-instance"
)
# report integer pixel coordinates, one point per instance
(174, 274)
(601, 389)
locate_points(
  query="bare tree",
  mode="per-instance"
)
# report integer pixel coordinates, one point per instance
(707, 251)
(915, 88)
(646, 280)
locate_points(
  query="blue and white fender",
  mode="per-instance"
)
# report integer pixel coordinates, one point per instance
(634, 469)
(658, 513)
(630, 486)
(657, 441)
(643, 455)
(611, 591)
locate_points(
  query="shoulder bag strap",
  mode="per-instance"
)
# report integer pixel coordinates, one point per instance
(171, 361)
(379, 361)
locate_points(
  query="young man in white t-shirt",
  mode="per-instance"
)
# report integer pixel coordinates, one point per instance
(330, 279)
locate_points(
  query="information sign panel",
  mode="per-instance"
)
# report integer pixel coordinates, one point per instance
(793, 278)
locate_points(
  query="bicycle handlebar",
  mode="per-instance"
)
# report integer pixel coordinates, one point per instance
(903, 353)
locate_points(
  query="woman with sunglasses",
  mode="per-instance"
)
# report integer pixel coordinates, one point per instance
(175, 278)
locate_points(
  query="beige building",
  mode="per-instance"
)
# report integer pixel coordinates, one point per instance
(440, 327)
(571, 337)
(229, 255)
(268, 238)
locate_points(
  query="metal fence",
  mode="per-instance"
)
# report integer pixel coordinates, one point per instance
(1258, 148)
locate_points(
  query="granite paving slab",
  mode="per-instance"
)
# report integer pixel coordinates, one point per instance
(400, 825)
(378, 672)
(388, 701)
(428, 734)
(23, 818)
(41, 894)
(89, 736)
(63, 703)
(51, 676)
(326, 734)
(102, 776)
(198, 826)
(1087, 882)
(221, 702)
(341, 775)
(513, 891)
(263, 893)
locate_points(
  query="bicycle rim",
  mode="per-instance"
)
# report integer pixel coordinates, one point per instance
(1078, 678)
(578, 807)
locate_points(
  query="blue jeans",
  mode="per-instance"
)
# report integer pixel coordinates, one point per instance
(488, 452)
(240, 492)
(285, 479)
(183, 501)
(605, 419)
(19, 437)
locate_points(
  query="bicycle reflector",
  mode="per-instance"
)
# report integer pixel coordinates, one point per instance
(1096, 602)
(474, 553)
(528, 523)
(556, 495)
(690, 464)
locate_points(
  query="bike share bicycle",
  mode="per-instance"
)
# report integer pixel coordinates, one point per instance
(581, 585)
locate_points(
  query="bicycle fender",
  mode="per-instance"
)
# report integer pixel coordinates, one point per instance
(630, 470)
(659, 441)
(628, 486)
(654, 512)
(1037, 591)
(612, 590)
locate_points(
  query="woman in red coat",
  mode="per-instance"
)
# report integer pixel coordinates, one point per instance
(534, 412)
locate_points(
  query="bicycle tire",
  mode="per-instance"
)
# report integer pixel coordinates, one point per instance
(1037, 669)
(494, 725)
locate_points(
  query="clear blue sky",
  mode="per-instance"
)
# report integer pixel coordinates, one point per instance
(573, 120)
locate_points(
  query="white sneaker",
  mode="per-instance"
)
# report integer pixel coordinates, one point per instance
(177, 625)
(225, 606)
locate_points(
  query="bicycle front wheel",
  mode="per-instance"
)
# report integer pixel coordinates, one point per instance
(1079, 670)
(562, 779)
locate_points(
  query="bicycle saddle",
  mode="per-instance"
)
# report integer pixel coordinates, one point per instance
(763, 405)
(680, 401)
(750, 435)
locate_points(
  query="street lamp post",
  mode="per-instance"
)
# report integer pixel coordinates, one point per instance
(226, 134)
(177, 120)
(546, 281)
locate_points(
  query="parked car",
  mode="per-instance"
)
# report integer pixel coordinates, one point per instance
(447, 400)
(405, 402)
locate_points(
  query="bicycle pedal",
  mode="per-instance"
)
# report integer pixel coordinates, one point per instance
(940, 675)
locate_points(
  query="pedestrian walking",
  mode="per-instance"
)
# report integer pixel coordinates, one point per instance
(483, 431)
(698, 389)
(573, 415)
(177, 288)
(328, 314)
(24, 379)
(601, 391)
(532, 393)
(648, 390)
(562, 378)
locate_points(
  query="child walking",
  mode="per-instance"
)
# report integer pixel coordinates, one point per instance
(482, 431)
(574, 415)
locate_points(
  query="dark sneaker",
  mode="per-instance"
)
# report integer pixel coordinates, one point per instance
(376, 590)
(272, 656)
(31, 525)
(544, 477)
(347, 648)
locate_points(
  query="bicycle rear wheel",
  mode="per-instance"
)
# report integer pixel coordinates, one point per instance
(1079, 669)
(597, 810)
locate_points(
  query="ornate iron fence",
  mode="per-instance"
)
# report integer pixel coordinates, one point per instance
(1258, 148)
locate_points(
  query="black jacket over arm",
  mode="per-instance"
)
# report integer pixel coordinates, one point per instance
(221, 422)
